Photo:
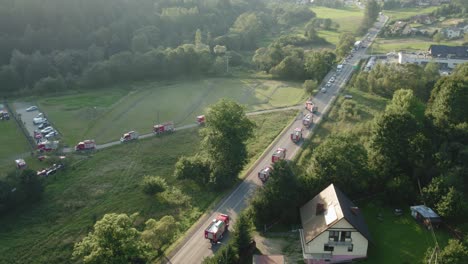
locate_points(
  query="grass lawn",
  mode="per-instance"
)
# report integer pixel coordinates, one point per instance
(398, 239)
(108, 181)
(384, 46)
(106, 115)
(403, 13)
(12, 141)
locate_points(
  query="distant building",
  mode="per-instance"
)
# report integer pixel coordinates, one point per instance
(334, 229)
(452, 32)
(443, 51)
(423, 19)
(426, 216)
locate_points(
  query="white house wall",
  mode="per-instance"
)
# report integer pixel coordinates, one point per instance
(359, 242)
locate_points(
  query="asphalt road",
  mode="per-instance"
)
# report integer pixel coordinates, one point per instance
(195, 247)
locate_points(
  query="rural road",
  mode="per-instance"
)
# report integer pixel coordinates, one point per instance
(195, 247)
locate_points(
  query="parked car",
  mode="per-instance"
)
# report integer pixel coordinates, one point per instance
(324, 90)
(332, 79)
(39, 120)
(43, 125)
(348, 96)
(31, 108)
(51, 134)
(47, 130)
(328, 84)
(40, 115)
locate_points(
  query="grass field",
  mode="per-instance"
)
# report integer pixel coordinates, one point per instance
(349, 20)
(108, 181)
(12, 142)
(105, 115)
(397, 239)
(382, 46)
(404, 13)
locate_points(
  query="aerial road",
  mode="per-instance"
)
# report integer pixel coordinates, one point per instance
(195, 247)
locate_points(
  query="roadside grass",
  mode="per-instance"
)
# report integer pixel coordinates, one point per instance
(105, 117)
(109, 181)
(398, 239)
(367, 107)
(382, 46)
(403, 13)
(12, 141)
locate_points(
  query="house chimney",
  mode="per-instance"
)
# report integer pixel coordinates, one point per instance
(319, 209)
(355, 210)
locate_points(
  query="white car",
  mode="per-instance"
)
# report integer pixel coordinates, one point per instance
(31, 108)
(51, 134)
(39, 120)
(328, 84)
(47, 130)
(324, 90)
(332, 79)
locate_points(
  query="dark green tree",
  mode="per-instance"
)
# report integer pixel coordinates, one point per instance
(243, 232)
(113, 240)
(224, 140)
(153, 185)
(159, 233)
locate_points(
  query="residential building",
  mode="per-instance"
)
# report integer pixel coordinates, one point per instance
(443, 51)
(333, 229)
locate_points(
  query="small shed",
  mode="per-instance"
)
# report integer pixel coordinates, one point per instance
(426, 216)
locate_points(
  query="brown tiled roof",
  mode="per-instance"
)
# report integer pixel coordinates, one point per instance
(337, 207)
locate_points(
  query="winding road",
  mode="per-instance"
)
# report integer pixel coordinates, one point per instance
(195, 247)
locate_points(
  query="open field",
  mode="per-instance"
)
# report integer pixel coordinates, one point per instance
(349, 20)
(383, 46)
(105, 115)
(404, 13)
(108, 181)
(398, 239)
(12, 141)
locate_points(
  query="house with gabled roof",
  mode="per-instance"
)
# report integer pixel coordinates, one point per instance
(333, 229)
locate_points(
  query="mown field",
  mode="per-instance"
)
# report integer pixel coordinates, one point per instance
(404, 13)
(108, 181)
(383, 46)
(12, 142)
(106, 115)
(349, 20)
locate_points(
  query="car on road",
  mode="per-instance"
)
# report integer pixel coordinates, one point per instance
(39, 120)
(52, 134)
(348, 96)
(324, 90)
(328, 84)
(332, 79)
(47, 130)
(31, 108)
(43, 125)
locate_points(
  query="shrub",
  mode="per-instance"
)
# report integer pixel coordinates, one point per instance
(153, 185)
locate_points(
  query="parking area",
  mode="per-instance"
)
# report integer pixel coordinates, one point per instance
(27, 117)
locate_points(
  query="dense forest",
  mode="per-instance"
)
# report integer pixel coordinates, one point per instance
(52, 45)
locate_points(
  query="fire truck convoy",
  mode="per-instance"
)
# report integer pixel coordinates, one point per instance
(215, 231)
(201, 120)
(264, 174)
(307, 120)
(163, 128)
(280, 154)
(85, 145)
(311, 107)
(296, 135)
(132, 135)
(47, 145)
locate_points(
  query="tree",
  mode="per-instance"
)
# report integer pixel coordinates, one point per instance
(340, 160)
(224, 140)
(455, 252)
(371, 12)
(277, 200)
(447, 104)
(198, 38)
(114, 240)
(318, 63)
(159, 233)
(404, 101)
(390, 143)
(291, 67)
(243, 232)
(196, 168)
(227, 254)
(345, 43)
(153, 185)
(437, 37)
(310, 86)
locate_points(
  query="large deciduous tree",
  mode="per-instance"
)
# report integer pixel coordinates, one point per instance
(114, 240)
(341, 160)
(224, 140)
